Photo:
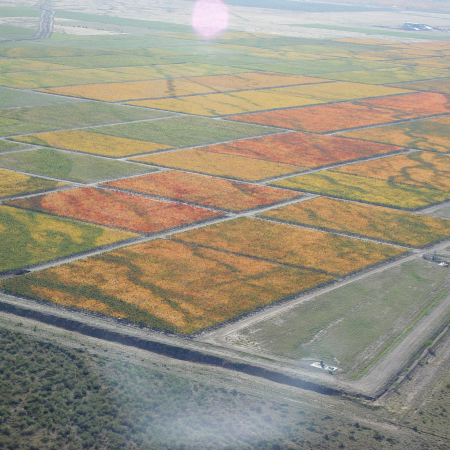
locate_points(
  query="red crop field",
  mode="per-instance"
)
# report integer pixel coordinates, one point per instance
(208, 191)
(302, 149)
(117, 209)
(342, 116)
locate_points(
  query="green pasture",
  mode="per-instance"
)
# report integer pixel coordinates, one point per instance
(370, 190)
(10, 11)
(69, 115)
(184, 131)
(12, 32)
(5, 146)
(28, 237)
(10, 98)
(355, 324)
(70, 166)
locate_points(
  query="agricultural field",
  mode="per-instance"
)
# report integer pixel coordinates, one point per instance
(86, 142)
(399, 227)
(420, 169)
(291, 245)
(369, 190)
(203, 190)
(184, 131)
(28, 237)
(430, 135)
(68, 115)
(69, 166)
(301, 149)
(10, 98)
(222, 165)
(14, 183)
(326, 118)
(441, 85)
(166, 284)
(6, 146)
(354, 324)
(117, 209)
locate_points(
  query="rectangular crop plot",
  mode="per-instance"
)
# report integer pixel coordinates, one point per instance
(13, 183)
(117, 209)
(355, 323)
(69, 166)
(371, 190)
(228, 166)
(259, 100)
(27, 65)
(326, 118)
(441, 85)
(135, 90)
(28, 238)
(167, 285)
(431, 135)
(183, 131)
(11, 98)
(420, 169)
(98, 144)
(388, 75)
(304, 150)
(291, 245)
(399, 227)
(207, 191)
(68, 115)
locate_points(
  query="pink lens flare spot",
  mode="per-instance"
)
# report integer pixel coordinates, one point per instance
(210, 18)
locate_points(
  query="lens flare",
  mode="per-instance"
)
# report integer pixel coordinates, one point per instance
(209, 18)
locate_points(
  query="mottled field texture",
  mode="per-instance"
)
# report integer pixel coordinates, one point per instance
(399, 227)
(69, 166)
(291, 245)
(203, 190)
(326, 118)
(167, 285)
(14, 183)
(117, 209)
(431, 135)
(86, 142)
(365, 189)
(28, 237)
(301, 149)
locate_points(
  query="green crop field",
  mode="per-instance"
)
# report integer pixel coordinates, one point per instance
(70, 166)
(354, 324)
(185, 131)
(10, 98)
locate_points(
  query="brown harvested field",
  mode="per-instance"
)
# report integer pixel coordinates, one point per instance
(116, 209)
(376, 222)
(302, 149)
(203, 190)
(291, 245)
(228, 166)
(167, 285)
(327, 118)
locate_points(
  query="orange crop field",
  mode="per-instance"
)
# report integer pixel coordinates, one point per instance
(326, 118)
(134, 90)
(116, 209)
(228, 166)
(421, 169)
(167, 285)
(95, 143)
(203, 190)
(14, 183)
(399, 227)
(291, 245)
(302, 149)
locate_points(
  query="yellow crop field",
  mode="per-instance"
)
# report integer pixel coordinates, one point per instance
(387, 224)
(87, 142)
(229, 166)
(114, 92)
(14, 183)
(422, 169)
(290, 245)
(190, 288)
